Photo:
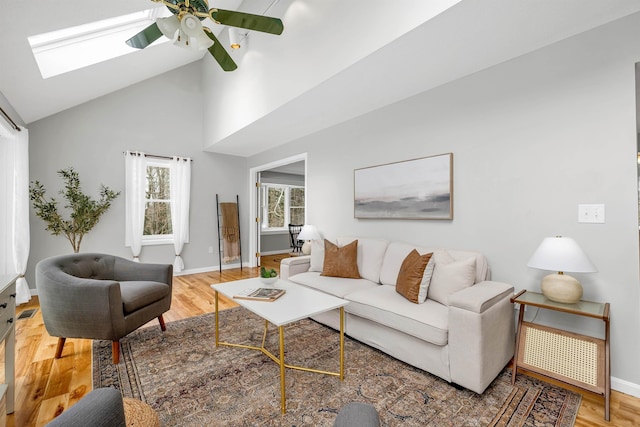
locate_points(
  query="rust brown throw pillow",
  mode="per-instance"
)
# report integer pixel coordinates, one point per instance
(412, 283)
(340, 262)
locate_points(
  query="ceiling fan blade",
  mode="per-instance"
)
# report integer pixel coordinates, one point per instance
(249, 21)
(219, 53)
(145, 37)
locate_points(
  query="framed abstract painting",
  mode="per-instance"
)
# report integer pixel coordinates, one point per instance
(412, 189)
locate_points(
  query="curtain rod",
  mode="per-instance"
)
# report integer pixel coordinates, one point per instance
(155, 156)
(10, 120)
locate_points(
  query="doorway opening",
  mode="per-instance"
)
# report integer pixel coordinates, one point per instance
(291, 172)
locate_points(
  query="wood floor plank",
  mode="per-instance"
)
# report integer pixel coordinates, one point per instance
(30, 390)
(45, 387)
(51, 408)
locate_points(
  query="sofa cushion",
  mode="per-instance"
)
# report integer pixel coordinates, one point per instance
(338, 287)
(340, 261)
(451, 277)
(428, 321)
(411, 282)
(482, 266)
(370, 255)
(138, 294)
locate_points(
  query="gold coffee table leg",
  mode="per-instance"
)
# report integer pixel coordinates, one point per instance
(341, 343)
(283, 401)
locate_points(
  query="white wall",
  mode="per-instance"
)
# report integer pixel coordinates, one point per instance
(532, 138)
(276, 69)
(160, 116)
(8, 108)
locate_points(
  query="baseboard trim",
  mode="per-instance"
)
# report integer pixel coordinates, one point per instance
(625, 387)
(279, 252)
(208, 269)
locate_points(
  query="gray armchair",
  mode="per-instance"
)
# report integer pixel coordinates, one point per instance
(99, 296)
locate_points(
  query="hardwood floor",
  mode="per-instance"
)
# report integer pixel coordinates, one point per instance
(45, 387)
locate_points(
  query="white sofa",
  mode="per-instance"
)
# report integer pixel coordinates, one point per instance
(467, 338)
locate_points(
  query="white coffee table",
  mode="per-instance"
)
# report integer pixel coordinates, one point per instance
(296, 304)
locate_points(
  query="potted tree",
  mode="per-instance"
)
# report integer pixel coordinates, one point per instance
(84, 211)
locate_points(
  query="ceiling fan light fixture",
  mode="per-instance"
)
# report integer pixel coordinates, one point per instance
(169, 26)
(181, 39)
(186, 30)
(198, 42)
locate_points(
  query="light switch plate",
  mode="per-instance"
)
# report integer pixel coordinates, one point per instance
(591, 214)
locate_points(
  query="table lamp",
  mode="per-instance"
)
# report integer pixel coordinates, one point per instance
(561, 254)
(308, 233)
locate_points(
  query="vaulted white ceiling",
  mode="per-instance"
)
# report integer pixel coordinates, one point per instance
(339, 59)
(34, 97)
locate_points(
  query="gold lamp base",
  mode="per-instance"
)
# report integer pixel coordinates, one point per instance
(561, 288)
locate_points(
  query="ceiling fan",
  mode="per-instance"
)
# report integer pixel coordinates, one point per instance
(185, 29)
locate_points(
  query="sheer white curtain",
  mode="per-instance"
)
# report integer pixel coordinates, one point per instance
(14, 232)
(21, 244)
(180, 192)
(135, 171)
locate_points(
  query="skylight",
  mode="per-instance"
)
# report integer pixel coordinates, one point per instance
(72, 48)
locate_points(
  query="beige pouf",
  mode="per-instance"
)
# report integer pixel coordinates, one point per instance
(139, 414)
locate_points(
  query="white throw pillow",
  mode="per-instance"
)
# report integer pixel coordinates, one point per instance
(451, 277)
(317, 255)
(370, 255)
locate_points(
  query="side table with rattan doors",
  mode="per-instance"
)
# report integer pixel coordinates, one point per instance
(579, 360)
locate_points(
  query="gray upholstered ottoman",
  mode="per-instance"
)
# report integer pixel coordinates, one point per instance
(357, 415)
(100, 408)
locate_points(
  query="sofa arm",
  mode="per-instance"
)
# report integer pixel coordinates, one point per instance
(294, 265)
(481, 333)
(481, 296)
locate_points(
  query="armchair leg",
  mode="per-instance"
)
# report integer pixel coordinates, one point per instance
(115, 352)
(162, 325)
(60, 346)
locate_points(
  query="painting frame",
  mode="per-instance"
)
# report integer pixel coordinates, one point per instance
(420, 189)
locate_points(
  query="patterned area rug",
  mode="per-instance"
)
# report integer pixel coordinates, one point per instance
(189, 382)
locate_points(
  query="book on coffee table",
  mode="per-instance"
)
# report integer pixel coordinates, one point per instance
(260, 294)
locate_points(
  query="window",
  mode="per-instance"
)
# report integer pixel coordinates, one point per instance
(157, 197)
(157, 211)
(282, 205)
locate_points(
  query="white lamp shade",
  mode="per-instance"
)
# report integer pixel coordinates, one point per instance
(169, 26)
(309, 232)
(191, 25)
(201, 41)
(561, 254)
(234, 38)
